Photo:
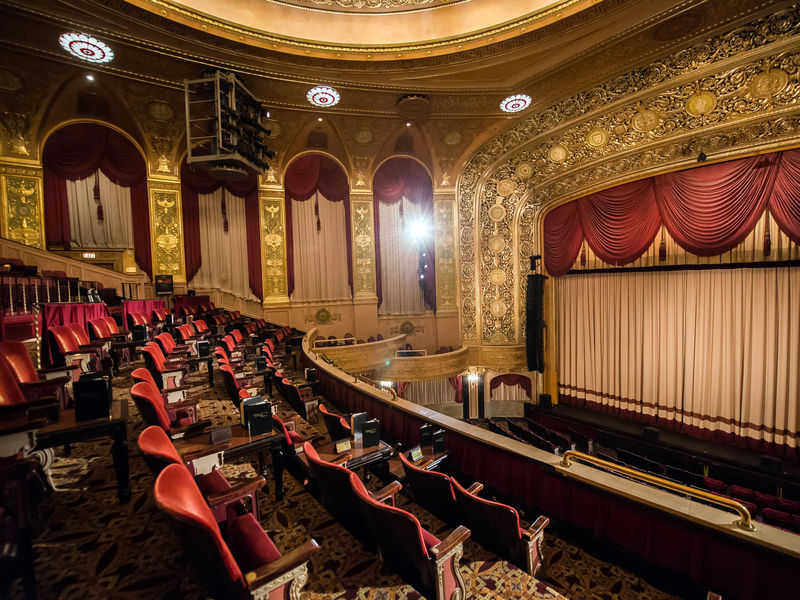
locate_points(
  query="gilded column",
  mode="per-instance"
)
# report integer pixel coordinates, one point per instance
(444, 215)
(21, 201)
(166, 227)
(363, 235)
(273, 244)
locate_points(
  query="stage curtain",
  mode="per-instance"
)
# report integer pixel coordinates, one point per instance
(706, 211)
(429, 393)
(510, 380)
(195, 181)
(77, 151)
(709, 352)
(223, 252)
(402, 386)
(395, 180)
(399, 273)
(318, 180)
(457, 383)
(86, 229)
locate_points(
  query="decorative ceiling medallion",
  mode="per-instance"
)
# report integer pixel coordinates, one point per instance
(9, 82)
(700, 103)
(497, 244)
(452, 138)
(644, 121)
(86, 47)
(597, 138)
(524, 170)
(515, 103)
(497, 277)
(498, 308)
(160, 111)
(363, 136)
(322, 95)
(558, 153)
(506, 187)
(497, 213)
(768, 83)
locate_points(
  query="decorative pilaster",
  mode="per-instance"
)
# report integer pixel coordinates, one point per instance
(21, 202)
(166, 227)
(445, 250)
(363, 234)
(273, 244)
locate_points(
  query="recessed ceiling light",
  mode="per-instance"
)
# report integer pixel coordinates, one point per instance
(86, 47)
(322, 95)
(90, 77)
(319, 119)
(408, 123)
(515, 103)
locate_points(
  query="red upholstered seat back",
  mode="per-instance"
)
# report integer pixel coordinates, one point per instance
(111, 324)
(65, 339)
(200, 325)
(150, 404)
(276, 420)
(155, 442)
(9, 388)
(337, 426)
(229, 343)
(237, 336)
(155, 353)
(141, 374)
(160, 314)
(177, 494)
(186, 332)
(17, 357)
(166, 341)
(80, 333)
(431, 489)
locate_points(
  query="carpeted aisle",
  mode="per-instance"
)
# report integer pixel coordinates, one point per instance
(92, 547)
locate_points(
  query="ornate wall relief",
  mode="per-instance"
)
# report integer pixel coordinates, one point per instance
(445, 251)
(166, 228)
(323, 317)
(273, 245)
(654, 118)
(21, 204)
(363, 246)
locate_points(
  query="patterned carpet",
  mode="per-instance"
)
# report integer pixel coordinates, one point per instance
(91, 547)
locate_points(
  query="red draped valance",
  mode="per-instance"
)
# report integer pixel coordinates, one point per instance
(394, 180)
(511, 379)
(707, 211)
(305, 177)
(196, 181)
(77, 151)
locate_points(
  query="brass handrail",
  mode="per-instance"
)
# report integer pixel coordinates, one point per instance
(744, 522)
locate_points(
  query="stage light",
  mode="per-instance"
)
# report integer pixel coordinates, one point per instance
(386, 384)
(472, 377)
(418, 229)
(319, 119)
(408, 123)
(90, 77)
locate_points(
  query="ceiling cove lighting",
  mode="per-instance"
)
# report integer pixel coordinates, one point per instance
(515, 103)
(322, 95)
(86, 47)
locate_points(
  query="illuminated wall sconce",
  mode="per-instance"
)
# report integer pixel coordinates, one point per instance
(385, 384)
(473, 376)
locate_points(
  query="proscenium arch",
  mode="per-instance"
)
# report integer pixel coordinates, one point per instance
(79, 121)
(334, 158)
(412, 157)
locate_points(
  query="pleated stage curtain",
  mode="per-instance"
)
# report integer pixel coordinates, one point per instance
(115, 230)
(706, 211)
(75, 153)
(431, 392)
(710, 352)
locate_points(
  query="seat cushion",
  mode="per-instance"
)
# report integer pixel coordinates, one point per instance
(296, 437)
(429, 539)
(250, 544)
(213, 482)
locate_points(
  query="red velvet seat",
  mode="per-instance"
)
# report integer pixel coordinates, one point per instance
(224, 499)
(174, 398)
(715, 485)
(167, 374)
(433, 491)
(429, 565)
(777, 518)
(151, 407)
(13, 403)
(765, 500)
(790, 506)
(496, 526)
(337, 426)
(740, 493)
(290, 436)
(237, 387)
(36, 383)
(67, 352)
(333, 482)
(98, 348)
(169, 347)
(245, 565)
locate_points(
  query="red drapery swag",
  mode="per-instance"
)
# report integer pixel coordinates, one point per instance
(707, 211)
(457, 383)
(305, 177)
(77, 151)
(396, 179)
(511, 379)
(195, 181)
(402, 386)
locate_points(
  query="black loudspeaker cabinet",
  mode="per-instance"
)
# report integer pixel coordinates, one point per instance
(92, 396)
(534, 325)
(545, 401)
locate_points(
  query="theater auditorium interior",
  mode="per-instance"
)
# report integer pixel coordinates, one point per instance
(400, 299)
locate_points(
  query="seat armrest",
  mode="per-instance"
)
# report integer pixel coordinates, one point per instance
(341, 459)
(90, 347)
(31, 385)
(181, 404)
(536, 529)
(475, 488)
(258, 577)
(188, 431)
(387, 492)
(459, 536)
(238, 490)
(207, 451)
(50, 370)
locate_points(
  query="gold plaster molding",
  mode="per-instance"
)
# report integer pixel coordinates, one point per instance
(166, 228)
(424, 368)
(360, 358)
(273, 246)
(22, 202)
(363, 240)
(446, 253)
